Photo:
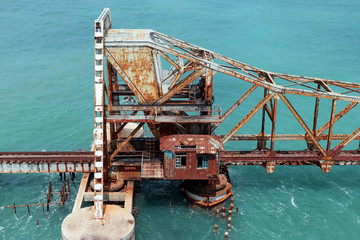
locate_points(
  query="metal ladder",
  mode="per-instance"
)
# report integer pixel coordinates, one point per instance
(150, 167)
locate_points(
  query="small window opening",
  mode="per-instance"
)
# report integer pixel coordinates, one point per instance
(180, 161)
(179, 147)
(202, 161)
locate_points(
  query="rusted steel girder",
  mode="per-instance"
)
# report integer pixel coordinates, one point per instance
(235, 105)
(180, 85)
(337, 117)
(247, 117)
(331, 125)
(159, 108)
(244, 67)
(286, 137)
(163, 119)
(132, 134)
(302, 123)
(48, 162)
(273, 125)
(293, 158)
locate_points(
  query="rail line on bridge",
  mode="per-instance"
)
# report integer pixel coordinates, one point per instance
(83, 162)
(46, 162)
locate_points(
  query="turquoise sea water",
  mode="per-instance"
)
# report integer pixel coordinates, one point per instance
(46, 103)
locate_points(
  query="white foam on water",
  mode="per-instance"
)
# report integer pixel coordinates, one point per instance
(293, 202)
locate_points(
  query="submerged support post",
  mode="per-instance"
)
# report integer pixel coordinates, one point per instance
(68, 185)
(15, 209)
(50, 189)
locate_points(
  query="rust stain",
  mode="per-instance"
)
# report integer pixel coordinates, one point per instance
(205, 144)
(137, 63)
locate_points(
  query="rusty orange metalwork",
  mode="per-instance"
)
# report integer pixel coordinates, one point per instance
(167, 85)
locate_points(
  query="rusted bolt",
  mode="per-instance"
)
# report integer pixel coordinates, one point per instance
(216, 227)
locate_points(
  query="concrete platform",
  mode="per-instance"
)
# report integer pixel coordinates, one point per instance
(118, 223)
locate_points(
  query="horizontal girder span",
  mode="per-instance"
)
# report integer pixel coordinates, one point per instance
(46, 162)
(286, 158)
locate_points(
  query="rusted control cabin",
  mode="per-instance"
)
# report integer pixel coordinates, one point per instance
(192, 157)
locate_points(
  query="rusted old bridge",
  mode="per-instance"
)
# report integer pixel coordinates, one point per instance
(154, 81)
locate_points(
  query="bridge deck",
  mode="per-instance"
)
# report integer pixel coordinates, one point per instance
(286, 157)
(42, 162)
(54, 162)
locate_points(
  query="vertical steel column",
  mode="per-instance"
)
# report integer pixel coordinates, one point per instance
(273, 124)
(316, 112)
(102, 24)
(110, 99)
(331, 125)
(261, 144)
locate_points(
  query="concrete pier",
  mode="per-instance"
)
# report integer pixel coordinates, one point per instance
(117, 223)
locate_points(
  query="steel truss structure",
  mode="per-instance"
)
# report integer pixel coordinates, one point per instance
(166, 85)
(179, 100)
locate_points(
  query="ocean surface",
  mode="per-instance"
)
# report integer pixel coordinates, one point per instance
(46, 103)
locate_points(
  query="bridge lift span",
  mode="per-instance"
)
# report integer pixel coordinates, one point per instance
(176, 103)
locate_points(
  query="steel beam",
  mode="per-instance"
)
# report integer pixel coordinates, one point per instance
(122, 145)
(247, 117)
(302, 123)
(235, 105)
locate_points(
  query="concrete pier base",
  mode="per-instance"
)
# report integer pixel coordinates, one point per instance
(118, 223)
